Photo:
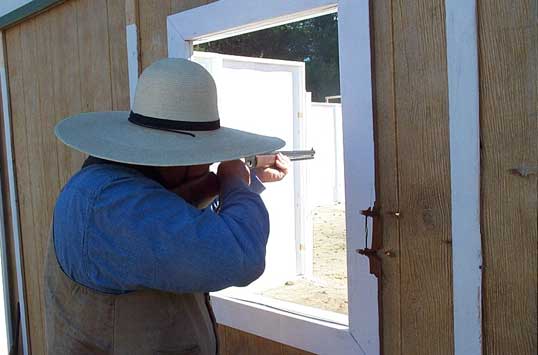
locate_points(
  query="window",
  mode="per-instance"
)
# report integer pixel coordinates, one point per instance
(358, 332)
(275, 81)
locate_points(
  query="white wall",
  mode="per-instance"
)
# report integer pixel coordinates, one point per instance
(260, 97)
(326, 172)
(266, 96)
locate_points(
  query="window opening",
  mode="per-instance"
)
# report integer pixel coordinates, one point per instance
(284, 81)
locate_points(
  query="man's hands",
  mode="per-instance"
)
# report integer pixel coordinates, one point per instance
(233, 168)
(200, 187)
(272, 167)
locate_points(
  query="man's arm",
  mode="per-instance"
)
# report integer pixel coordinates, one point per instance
(141, 235)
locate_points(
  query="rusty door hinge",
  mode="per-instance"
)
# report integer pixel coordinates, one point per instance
(371, 253)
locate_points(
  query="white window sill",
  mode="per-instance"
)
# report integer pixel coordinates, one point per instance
(303, 327)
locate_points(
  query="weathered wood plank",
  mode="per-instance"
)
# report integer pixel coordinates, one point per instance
(32, 184)
(288, 350)
(44, 164)
(152, 30)
(182, 5)
(24, 12)
(66, 80)
(94, 54)
(221, 330)
(46, 121)
(508, 59)
(260, 345)
(420, 75)
(152, 26)
(118, 54)
(236, 342)
(387, 174)
(46, 87)
(241, 343)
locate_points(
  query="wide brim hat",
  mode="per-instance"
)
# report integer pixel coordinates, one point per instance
(174, 121)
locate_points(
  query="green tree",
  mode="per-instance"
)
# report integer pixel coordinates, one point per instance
(313, 41)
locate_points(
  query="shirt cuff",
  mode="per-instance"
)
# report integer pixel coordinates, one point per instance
(256, 185)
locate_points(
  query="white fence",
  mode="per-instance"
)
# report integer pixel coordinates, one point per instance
(325, 174)
(268, 96)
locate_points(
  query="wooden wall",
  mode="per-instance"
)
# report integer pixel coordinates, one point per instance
(413, 175)
(508, 34)
(59, 63)
(72, 58)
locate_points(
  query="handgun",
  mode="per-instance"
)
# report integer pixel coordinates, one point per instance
(294, 155)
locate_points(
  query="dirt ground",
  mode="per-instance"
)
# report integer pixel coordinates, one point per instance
(328, 289)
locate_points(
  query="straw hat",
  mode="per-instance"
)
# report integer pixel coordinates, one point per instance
(174, 121)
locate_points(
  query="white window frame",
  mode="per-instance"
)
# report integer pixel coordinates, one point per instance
(225, 18)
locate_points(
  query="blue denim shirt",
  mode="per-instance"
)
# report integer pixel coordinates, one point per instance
(117, 230)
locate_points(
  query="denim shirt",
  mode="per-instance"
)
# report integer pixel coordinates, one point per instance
(117, 230)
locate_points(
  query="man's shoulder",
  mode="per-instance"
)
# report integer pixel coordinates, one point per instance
(94, 178)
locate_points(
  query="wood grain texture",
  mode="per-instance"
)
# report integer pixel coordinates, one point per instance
(66, 81)
(44, 163)
(236, 342)
(32, 243)
(94, 55)
(421, 104)
(182, 5)
(152, 30)
(118, 54)
(508, 61)
(152, 26)
(50, 79)
(387, 173)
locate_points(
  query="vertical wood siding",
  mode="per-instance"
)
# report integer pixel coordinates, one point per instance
(72, 58)
(235, 342)
(423, 167)
(508, 56)
(64, 61)
(386, 145)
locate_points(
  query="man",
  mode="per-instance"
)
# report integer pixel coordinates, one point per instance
(134, 248)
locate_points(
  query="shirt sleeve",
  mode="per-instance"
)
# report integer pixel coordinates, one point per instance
(256, 184)
(140, 235)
